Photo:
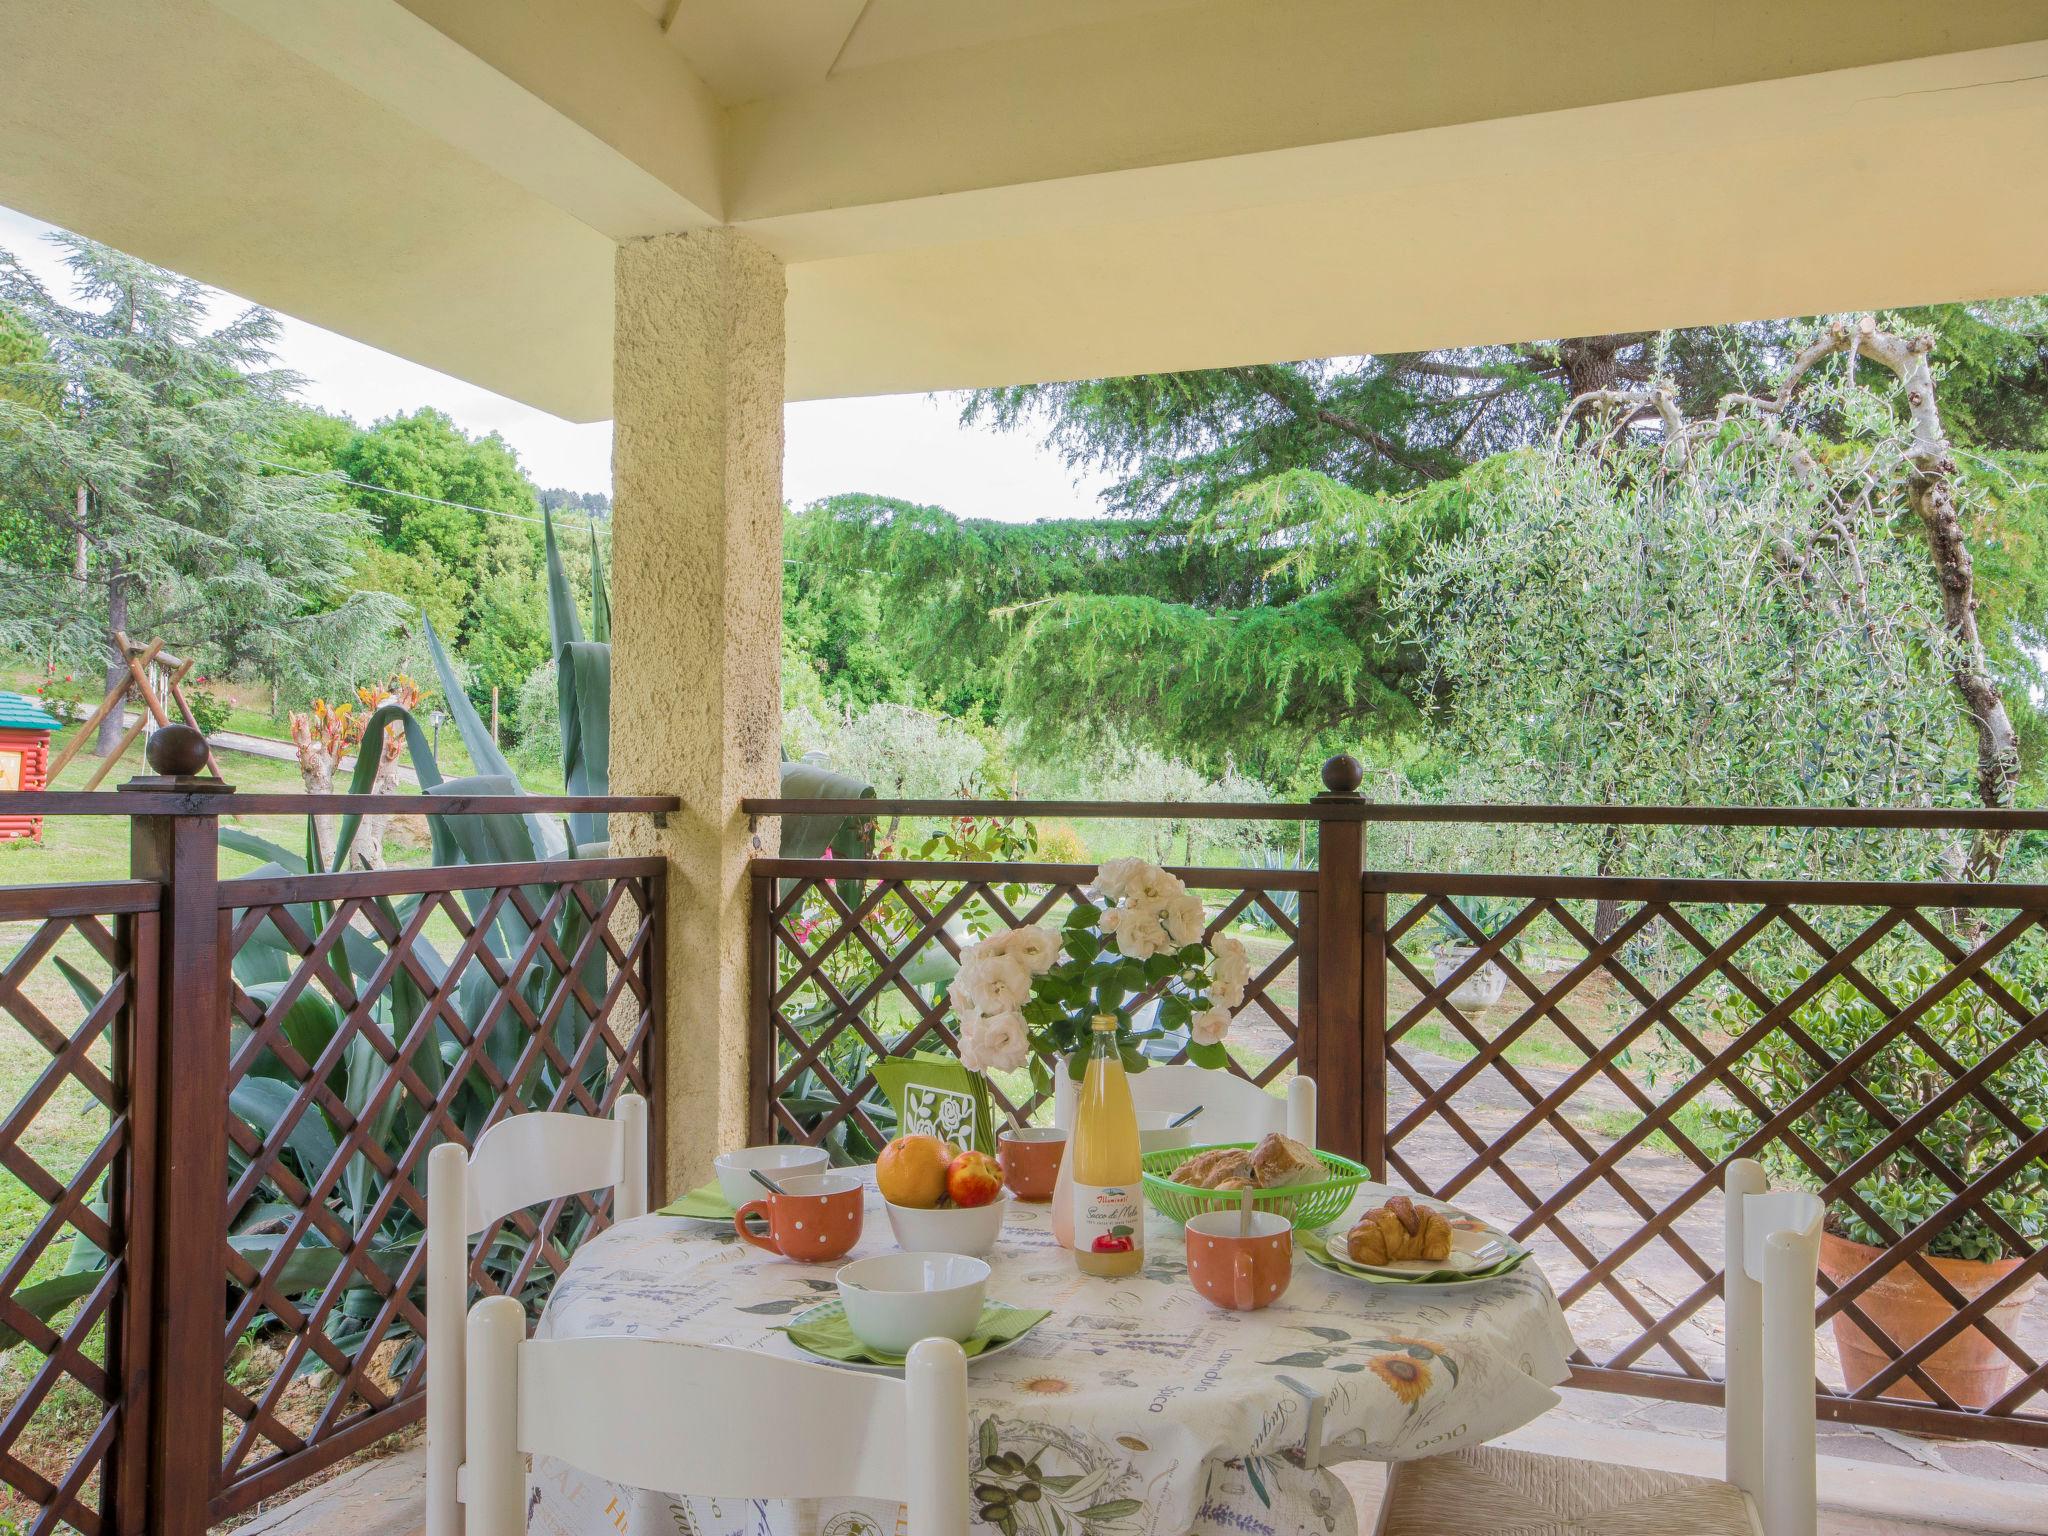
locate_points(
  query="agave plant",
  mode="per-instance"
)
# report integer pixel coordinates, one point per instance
(263, 968)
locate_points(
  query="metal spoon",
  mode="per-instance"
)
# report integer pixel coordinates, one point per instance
(762, 1178)
(1174, 1125)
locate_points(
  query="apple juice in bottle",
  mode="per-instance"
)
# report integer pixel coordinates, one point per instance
(1108, 1198)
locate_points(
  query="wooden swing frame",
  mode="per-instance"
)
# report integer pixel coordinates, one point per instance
(139, 659)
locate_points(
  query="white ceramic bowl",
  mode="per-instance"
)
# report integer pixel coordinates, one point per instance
(738, 1187)
(1153, 1136)
(895, 1299)
(968, 1229)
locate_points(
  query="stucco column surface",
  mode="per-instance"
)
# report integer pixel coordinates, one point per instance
(697, 634)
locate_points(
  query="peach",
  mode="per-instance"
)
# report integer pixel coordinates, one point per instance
(912, 1171)
(973, 1178)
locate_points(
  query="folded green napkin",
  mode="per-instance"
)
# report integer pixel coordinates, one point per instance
(706, 1204)
(823, 1330)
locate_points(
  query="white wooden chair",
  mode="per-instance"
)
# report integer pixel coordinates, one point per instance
(1232, 1109)
(701, 1418)
(522, 1160)
(1773, 1249)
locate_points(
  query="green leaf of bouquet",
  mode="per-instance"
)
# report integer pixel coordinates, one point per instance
(1083, 946)
(1159, 967)
(1083, 915)
(1213, 1057)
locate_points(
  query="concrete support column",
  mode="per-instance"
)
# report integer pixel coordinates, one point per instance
(697, 634)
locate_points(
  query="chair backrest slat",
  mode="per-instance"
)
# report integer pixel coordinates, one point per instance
(523, 1160)
(680, 1417)
(530, 1159)
(695, 1418)
(1233, 1109)
(1769, 1259)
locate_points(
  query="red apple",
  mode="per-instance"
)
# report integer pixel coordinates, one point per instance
(973, 1178)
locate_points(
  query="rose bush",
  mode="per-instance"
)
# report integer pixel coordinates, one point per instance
(1025, 996)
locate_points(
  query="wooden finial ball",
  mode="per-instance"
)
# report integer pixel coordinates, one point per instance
(1342, 774)
(177, 751)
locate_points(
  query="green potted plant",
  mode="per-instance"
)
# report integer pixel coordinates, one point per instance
(1900, 1188)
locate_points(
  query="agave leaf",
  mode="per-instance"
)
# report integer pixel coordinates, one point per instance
(366, 1074)
(46, 1298)
(476, 736)
(583, 683)
(600, 594)
(418, 745)
(309, 1025)
(263, 1102)
(255, 847)
(311, 1264)
(83, 987)
(563, 625)
(87, 1255)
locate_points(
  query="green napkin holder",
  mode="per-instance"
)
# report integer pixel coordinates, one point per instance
(934, 1095)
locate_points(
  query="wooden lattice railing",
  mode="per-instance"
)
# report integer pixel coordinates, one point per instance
(376, 1016)
(843, 977)
(214, 1180)
(1648, 1032)
(1595, 1104)
(233, 1085)
(77, 1150)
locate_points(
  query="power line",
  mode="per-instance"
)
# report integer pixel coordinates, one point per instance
(385, 490)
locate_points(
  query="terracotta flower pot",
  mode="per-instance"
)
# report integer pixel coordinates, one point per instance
(1970, 1368)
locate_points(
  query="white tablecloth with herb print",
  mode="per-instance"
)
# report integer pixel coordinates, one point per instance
(1135, 1409)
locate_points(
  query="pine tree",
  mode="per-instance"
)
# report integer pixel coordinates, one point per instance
(133, 447)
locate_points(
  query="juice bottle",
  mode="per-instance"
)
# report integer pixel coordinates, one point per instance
(1108, 1192)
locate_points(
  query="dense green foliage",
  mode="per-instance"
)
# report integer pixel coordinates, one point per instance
(157, 476)
(137, 489)
(1260, 601)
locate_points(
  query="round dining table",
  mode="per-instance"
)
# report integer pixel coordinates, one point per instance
(1135, 1409)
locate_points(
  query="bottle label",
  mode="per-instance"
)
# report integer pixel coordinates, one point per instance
(1109, 1218)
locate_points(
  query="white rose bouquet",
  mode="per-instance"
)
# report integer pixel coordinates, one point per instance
(1026, 996)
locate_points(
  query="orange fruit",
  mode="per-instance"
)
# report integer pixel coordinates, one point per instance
(912, 1171)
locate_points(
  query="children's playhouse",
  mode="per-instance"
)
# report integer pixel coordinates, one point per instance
(25, 728)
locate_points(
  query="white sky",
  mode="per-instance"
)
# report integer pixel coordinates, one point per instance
(911, 446)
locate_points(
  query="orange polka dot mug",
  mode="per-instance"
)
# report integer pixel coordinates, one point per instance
(1240, 1266)
(816, 1219)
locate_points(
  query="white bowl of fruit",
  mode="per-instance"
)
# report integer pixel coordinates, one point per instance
(940, 1199)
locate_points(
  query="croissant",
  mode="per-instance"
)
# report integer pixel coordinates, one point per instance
(1224, 1168)
(1283, 1160)
(1399, 1230)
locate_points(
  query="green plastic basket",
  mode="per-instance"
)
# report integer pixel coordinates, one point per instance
(1305, 1205)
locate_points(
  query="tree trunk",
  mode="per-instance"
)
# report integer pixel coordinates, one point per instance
(1930, 493)
(78, 544)
(115, 724)
(1607, 911)
(368, 852)
(318, 776)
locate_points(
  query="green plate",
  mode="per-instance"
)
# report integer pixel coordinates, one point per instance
(1316, 1246)
(822, 1333)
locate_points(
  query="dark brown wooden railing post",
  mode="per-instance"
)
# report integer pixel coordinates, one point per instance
(760, 1008)
(188, 1280)
(1333, 1050)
